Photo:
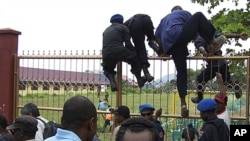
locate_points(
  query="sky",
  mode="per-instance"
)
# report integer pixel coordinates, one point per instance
(76, 24)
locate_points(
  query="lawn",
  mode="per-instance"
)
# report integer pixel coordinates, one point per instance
(50, 107)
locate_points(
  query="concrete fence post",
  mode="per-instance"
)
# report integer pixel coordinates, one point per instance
(8, 65)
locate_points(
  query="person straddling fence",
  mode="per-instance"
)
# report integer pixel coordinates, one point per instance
(174, 32)
(213, 66)
(117, 47)
(141, 25)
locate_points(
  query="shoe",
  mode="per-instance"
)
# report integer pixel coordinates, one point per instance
(238, 91)
(154, 45)
(141, 81)
(147, 74)
(196, 99)
(184, 111)
(220, 40)
(111, 78)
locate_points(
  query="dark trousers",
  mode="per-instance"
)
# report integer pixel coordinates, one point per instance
(209, 73)
(140, 26)
(196, 24)
(121, 54)
(106, 123)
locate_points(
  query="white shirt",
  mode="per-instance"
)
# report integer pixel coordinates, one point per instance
(40, 126)
(226, 117)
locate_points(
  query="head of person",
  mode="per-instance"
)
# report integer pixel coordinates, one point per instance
(30, 109)
(207, 108)
(3, 122)
(23, 128)
(147, 111)
(137, 129)
(121, 114)
(221, 100)
(190, 125)
(117, 18)
(177, 7)
(80, 116)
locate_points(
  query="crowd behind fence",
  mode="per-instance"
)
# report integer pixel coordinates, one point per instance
(49, 80)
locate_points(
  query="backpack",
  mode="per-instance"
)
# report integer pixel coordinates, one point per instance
(222, 129)
(50, 128)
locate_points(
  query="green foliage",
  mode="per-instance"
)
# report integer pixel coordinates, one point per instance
(229, 21)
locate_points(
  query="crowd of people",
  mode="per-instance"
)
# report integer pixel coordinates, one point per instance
(173, 34)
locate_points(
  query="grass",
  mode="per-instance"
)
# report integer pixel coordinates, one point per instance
(170, 104)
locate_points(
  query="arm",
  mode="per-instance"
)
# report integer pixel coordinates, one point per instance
(220, 83)
(158, 113)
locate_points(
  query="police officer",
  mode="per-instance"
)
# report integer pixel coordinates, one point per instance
(140, 25)
(118, 47)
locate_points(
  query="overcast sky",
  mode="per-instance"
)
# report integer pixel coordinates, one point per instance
(76, 24)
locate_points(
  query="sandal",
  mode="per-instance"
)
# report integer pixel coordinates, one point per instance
(184, 111)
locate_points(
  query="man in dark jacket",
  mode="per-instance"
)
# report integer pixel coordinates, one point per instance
(213, 129)
(147, 111)
(118, 47)
(212, 67)
(140, 25)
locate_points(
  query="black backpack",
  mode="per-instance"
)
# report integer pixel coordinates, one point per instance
(222, 129)
(50, 128)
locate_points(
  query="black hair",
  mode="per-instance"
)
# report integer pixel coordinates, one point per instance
(30, 108)
(3, 122)
(76, 110)
(177, 7)
(120, 21)
(137, 125)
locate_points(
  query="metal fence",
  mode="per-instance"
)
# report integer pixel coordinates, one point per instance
(49, 79)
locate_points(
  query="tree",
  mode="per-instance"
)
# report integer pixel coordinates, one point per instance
(229, 21)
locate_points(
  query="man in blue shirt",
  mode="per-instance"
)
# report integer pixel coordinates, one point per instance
(174, 33)
(79, 121)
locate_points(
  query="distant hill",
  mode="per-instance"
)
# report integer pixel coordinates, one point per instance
(161, 81)
(166, 78)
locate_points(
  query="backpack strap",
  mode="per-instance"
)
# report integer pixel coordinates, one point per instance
(42, 121)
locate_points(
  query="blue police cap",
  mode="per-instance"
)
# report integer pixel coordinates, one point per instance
(206, 105)
(146, 107)
(116, 17)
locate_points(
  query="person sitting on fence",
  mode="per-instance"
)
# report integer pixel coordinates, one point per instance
(189, 132)
(117, 46)
(147, 111)
(79, 120)
(32, 110)
(137, 129)
(213, 66)
(24, 128)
